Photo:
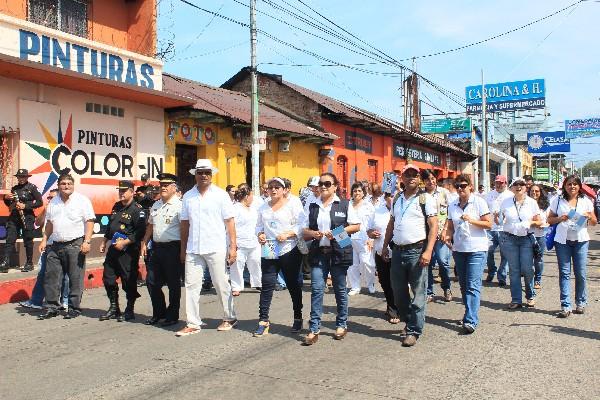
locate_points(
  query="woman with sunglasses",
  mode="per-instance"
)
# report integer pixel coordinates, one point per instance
(327, 255)
(361, 244)
(538, 194)
(573, 212)
(465, 233)
(246, 216)
(277, 230)
(521, 213)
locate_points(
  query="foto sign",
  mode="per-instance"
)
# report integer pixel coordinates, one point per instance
(548, 142)
(446, 125)
(507, 96)
(582, 128)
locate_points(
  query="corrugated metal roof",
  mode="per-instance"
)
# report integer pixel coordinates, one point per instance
(235, 106)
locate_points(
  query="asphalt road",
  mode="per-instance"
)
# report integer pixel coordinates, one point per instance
(513, 354)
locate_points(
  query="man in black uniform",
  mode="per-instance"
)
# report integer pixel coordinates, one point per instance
(22, 200)
(122, 245)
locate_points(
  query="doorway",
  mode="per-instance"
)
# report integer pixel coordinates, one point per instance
(185, 159)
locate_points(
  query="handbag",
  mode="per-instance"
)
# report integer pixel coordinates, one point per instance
(552, 231)
(537, 249)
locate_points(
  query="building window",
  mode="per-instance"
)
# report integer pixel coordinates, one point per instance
(373, 171)
(65, 15)
(342, 174)
(105, 109)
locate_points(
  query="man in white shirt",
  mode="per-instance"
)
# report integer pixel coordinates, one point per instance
(70, 221)
(206, 218)
(411, 234)
(164, 266)
(494, 198)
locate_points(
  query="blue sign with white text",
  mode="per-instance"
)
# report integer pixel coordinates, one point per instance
(548, 142)
(507, 96)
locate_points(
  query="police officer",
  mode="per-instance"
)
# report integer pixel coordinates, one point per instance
(122, 245)
(144, 178)
(164, 265)
(22, 200)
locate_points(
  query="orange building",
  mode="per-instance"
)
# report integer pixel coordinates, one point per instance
(81, 93)
(368, 145)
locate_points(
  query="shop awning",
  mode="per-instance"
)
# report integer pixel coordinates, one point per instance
(24, 70)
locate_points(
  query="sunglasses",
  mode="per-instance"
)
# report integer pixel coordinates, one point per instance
(520, 184)
(203, 172)
(49, 197)
(326, 184)
(461, 185)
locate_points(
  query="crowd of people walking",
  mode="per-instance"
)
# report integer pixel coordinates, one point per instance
(396, 236)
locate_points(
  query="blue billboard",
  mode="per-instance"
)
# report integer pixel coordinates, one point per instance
(548, 142)
(507, 96)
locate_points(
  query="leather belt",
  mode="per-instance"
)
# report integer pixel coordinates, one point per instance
(166, 244)
(68, 241)
(410, 246)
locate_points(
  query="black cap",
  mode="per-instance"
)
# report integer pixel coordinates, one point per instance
(167, 178)
(124, 185)
(144, 177)
(23, 172)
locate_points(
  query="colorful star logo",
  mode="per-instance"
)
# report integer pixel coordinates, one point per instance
(47, 152)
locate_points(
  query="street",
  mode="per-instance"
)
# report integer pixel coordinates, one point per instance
(513, 354)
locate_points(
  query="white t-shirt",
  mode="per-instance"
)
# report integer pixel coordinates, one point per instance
(494, 200)
(409, 222)
(324, 219)
(469, 238)
(539, 232)
(285, 219)
(245, 225)
(379, 221)
(68, 219)
(571, 229)
(206, 214)
(517, 218)
(364, 212)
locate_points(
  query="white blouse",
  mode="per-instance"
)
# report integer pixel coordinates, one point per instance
(364, 213)
(379, 221)
(574, 228)
(245, 226)
(517, 218)
(467, 237)
(274, 223)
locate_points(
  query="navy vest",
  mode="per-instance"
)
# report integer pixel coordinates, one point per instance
(341, 257)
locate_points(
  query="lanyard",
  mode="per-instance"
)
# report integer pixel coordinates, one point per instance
(518, 208)
(402, 208)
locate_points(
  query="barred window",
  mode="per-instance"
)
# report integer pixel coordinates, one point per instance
(66, 15)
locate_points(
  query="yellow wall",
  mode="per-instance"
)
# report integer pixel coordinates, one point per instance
(299, 164)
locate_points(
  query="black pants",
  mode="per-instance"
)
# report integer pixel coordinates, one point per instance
(64, 258)
(12, 233)
(164, 267)
(289, 263)
(383, 273)
(124, 265)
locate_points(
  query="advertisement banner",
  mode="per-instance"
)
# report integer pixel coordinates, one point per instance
(576, 128)
(548, 142)
(507, 96)
(426, 156)
(446, 125)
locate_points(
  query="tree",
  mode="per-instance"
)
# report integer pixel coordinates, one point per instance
(592, 168)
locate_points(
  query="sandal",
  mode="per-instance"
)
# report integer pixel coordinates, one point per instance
(235, 293)
(392, 317)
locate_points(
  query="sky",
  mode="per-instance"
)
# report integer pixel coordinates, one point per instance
(562, 49)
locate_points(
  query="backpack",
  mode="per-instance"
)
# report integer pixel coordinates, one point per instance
(422, 201)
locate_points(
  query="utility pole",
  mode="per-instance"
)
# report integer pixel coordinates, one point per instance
(484, 147)
(254, 103)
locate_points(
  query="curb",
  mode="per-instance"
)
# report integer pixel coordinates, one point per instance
(13, 291)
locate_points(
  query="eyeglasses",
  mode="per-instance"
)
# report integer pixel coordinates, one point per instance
(326, 184)
(203, 172)
(460, 185)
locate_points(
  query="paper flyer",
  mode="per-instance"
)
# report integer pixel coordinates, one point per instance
(270, 250)
(341, 236)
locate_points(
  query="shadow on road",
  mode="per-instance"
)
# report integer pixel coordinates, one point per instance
(567, 331)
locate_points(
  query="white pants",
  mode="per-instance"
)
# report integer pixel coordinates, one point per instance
(251, 258)
(194, 273)
(361, 265)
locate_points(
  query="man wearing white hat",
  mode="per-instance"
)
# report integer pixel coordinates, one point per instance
(206, 216)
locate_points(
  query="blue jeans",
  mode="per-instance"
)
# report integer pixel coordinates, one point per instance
(496, 238)
(576, 252)
(318, 275)
(406, 271)
(538, 263)
(441, 255)
(470, 272)
(519, 252)
(37, 295)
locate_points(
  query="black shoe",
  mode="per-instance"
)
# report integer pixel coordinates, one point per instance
(128, 314)
(50, 313)
(72, 314)
(152, 321)
(27, 267)
(206, 287)
(169, 322)
(489, 278)
(501, 283)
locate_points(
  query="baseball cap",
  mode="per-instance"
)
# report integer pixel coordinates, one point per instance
(410, 166)
(501, 178)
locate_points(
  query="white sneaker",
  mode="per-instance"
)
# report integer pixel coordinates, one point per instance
(353, 292)
(29, 304)
(372, 288)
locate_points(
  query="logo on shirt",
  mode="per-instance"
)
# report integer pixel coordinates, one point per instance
(340, 214)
